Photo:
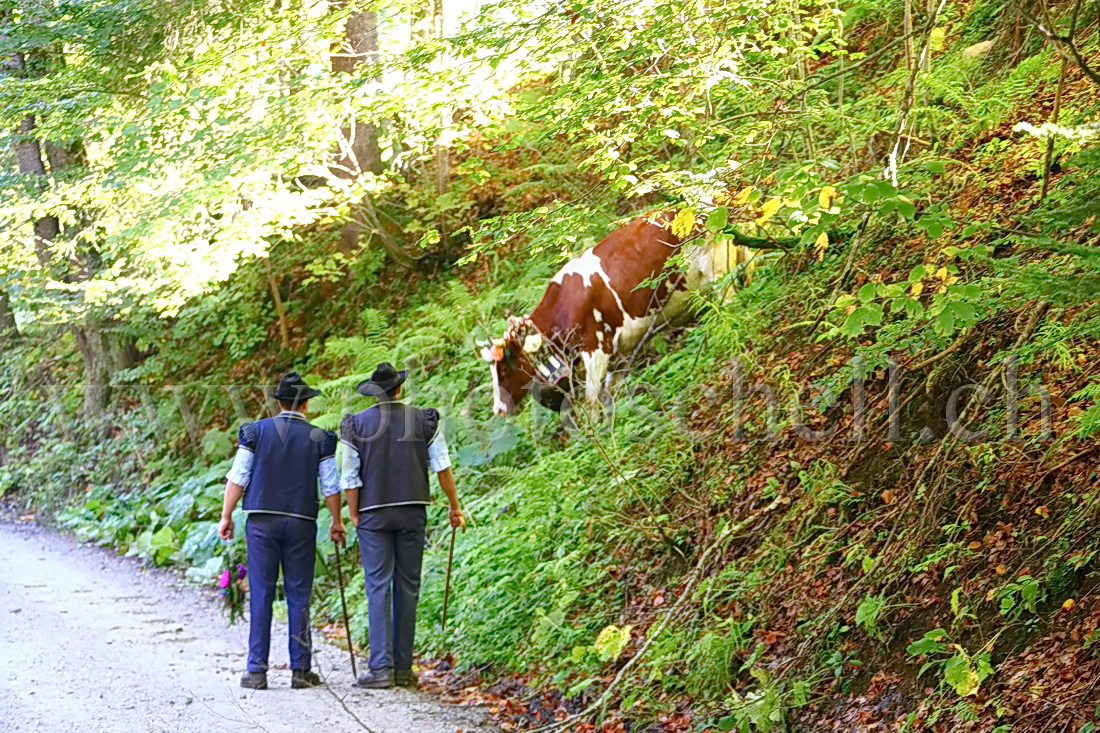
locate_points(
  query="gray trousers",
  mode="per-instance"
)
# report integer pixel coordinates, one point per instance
(391, 546)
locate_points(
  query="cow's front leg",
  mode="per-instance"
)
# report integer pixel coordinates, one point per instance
(595, 374)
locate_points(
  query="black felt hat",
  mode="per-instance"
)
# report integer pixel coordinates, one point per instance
(384, 380)
(293, 389)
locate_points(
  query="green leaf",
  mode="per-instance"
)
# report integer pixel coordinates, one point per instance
(945, 321)
(868, 611)
(844, 300)
(867, 292)
(162, 545)
(217, 442)
(717, 219)
(960, 674)
(966, 674)
(611, 642)
(869, 314)
(930, 643)
(911, 306)
(1029, 591)
(983, 665)
(579, 687)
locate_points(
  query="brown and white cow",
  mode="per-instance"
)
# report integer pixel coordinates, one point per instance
(601, 304)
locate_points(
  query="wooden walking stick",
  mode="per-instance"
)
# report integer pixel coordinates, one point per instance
(447, 589)
(344, 606)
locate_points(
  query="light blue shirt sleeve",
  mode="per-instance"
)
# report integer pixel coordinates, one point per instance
(439, 458)
(241, 472)
(328, 476)
(349, 467)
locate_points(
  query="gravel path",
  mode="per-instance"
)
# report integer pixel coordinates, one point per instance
(90, 642)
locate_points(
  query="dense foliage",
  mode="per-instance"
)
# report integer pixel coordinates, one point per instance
(198, 196)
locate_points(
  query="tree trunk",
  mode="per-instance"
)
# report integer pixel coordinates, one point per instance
(104, 353)
(28, 160)
(359, 153)
(284, 329)
(8, 329)
(442, 154)
(421, 21)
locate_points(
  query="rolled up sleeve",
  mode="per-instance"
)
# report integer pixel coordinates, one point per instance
(439, 457)
(349, 467)
(241, 471)
(328, 476)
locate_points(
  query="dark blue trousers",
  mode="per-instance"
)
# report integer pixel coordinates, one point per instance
(274, 541)
(391, 546)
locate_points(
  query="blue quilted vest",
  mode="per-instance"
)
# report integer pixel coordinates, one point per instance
(288, 451)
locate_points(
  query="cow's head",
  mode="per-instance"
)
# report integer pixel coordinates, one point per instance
(510, 364)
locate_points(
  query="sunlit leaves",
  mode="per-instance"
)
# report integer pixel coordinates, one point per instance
(683, 223)
(768, 210)
(612, 641)
(191, 169)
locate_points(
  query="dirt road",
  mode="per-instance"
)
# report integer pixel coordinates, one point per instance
(90, 642)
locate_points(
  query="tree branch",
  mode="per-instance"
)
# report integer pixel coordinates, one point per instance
(1064, 45)
(866, 59)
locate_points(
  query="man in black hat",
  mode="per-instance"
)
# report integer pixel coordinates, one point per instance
(278, 465)
(389, 450)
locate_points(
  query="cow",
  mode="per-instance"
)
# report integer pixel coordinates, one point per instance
(605, 303)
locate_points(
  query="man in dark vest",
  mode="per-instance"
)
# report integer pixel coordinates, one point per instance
(279, 463)
(389, 450)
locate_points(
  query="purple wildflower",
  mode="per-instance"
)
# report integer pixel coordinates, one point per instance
(223, 581)
(242, 572)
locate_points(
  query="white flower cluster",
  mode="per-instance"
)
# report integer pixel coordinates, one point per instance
(1080, 133)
